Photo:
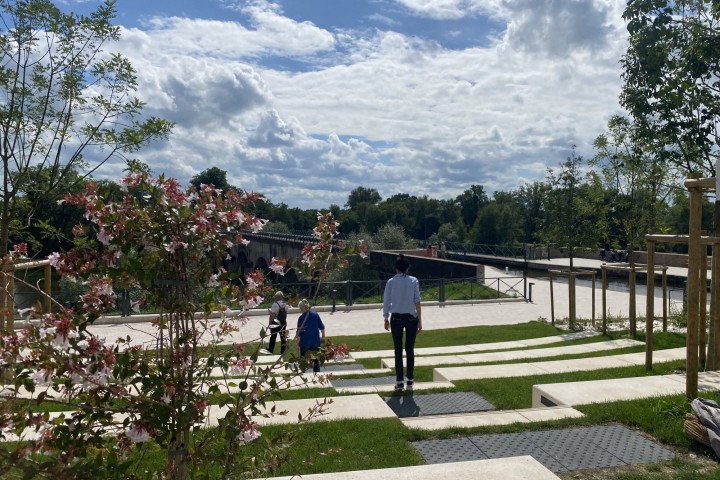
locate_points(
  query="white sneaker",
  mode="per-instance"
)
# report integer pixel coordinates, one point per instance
(410, 384)
(265, 351)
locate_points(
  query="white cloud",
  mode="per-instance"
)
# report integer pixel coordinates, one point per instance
(380, 109)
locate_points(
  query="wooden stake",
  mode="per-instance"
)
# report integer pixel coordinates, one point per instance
(650, 304)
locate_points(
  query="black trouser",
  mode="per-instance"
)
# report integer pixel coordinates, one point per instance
(398, 323)
(316, 361)
(279, 328)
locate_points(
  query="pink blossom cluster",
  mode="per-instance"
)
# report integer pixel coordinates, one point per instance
(338, 352)
(100, 296)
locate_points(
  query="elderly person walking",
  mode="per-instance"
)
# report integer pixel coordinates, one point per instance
(402, 313)
(277, 322)
(310, 332)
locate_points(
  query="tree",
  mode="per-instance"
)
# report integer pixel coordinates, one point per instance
(363, 195)
(391, 237)
(570, 221)
(531, 200)
(130, 400)
(672, 79)
(498, 221)
(65, 103)
(470, 201)
(634, 182)
(211, 176)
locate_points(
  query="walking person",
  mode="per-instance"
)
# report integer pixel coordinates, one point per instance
(310, 332)
(278, 322)
(402, 314)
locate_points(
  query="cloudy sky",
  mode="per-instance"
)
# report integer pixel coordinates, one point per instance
(304, 100)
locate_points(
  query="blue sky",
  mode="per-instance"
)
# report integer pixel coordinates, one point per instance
(304, 100)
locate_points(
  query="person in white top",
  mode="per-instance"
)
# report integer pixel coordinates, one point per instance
(402, 313)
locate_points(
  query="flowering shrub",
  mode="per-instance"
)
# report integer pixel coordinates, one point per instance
(168, 243)
(327, 254)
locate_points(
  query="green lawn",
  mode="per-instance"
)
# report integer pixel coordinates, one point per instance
(383, 443)
(364, 444)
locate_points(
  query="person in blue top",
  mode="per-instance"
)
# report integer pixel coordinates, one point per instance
(310, 332)
(402, 313)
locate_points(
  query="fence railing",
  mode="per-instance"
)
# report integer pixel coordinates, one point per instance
(352, 292)
(507, 251)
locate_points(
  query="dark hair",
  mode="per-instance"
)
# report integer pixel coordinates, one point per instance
(401, 264)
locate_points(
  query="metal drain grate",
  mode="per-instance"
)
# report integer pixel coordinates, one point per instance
(558, 450)
(437, 404)
(448, 451)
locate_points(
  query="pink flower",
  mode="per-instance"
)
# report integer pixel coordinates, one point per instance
(249, 433)
(277, 265)
(135, 305)
(213, 281)
(20, 249)
(239, 367)
(104, 237)
(362, 249)
(54, 258)
(138, 434)
(174, 245)
(29, 312)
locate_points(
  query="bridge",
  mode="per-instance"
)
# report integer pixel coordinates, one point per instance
(263, 246)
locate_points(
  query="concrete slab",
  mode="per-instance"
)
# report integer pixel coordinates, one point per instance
(357, 406)
(518, 354)
(613, 390)
(483, 419)
(477, 372)
(524, 467)
(479, 347)
(581, 364)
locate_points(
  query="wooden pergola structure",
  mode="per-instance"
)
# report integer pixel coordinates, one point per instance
(696, 288)
(7, 289)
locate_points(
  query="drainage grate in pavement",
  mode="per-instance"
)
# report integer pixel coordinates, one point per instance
(437, 404)
(362, 382)
(447, 451)
(558, 450)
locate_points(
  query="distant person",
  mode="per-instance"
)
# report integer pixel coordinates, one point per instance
(402, 313)
(443, 250)
(428, 251)
(310, 332)
(278, 322)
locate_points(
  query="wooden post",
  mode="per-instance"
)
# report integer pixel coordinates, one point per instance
(693, 296)
(702, 318)
(650, 304)
(665, 297)
(3, 298)
(604, 298)
(633, 301)
(47, 288)
(713, 363)
(552, 302)
(593, 298)
(10, 303)
(571, 292)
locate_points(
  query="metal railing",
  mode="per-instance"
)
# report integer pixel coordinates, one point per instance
(507, 251)
(352, 292)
